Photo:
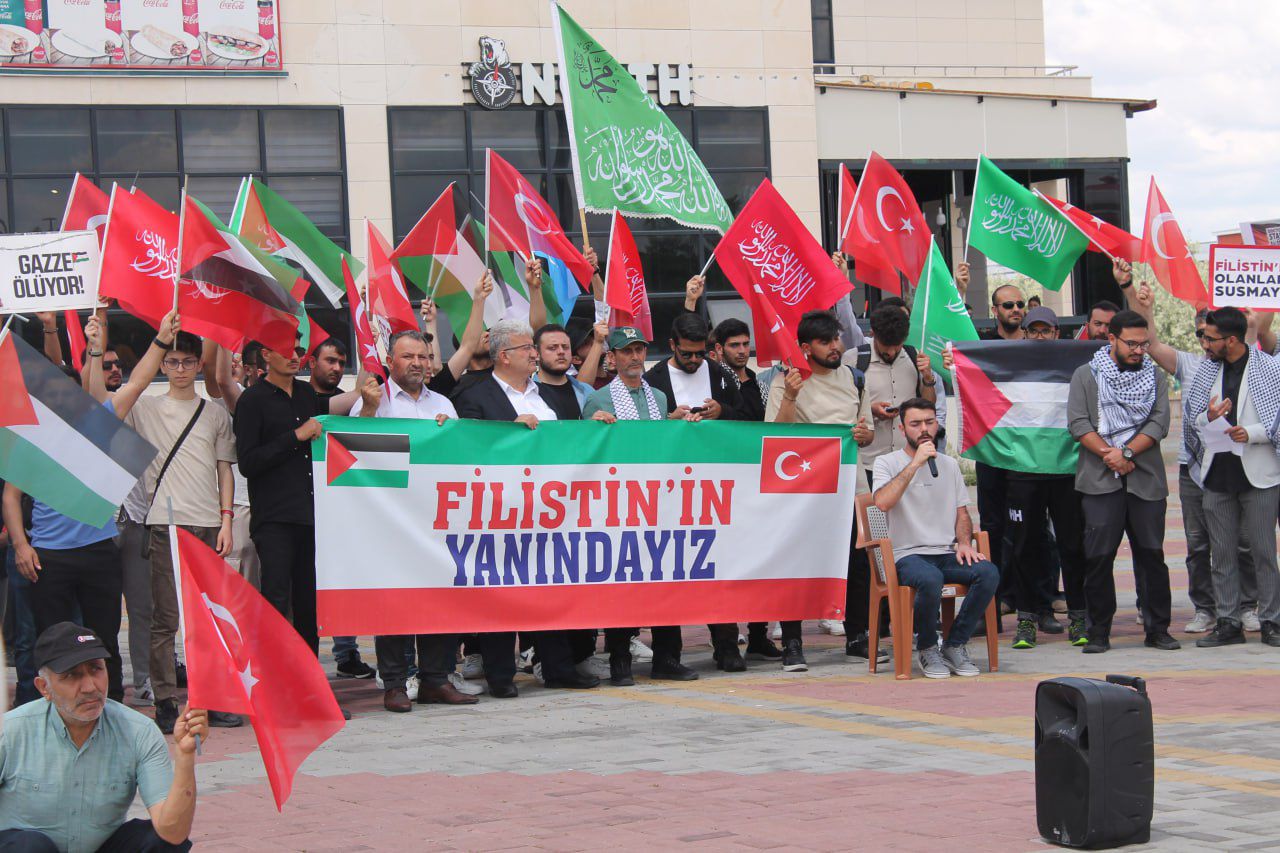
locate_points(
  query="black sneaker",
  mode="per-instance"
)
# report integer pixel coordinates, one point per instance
(1045, 622)
(180, 670)
(223, 720)
(1161, 640)
(166, 715)
(1227, 632)
(730, 659)
(859, 646)
(1097, 646)
(1025, 635)
(793, 657)
(355, 669)
(762, 648)
(620, 670)
(666, 668)
(1271, 634)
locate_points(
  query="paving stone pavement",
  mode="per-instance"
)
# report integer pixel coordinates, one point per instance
(833, 759)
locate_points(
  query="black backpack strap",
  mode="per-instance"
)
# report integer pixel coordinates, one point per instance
(859, 379)
(864, 358)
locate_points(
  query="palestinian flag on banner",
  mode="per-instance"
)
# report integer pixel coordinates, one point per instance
(1013, 402)
(370, 460)
(278, 228)
(58, 444)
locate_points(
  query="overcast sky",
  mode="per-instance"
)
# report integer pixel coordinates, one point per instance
(1213, 142)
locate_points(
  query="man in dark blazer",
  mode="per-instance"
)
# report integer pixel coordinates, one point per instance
(689, 379)
(510, 394)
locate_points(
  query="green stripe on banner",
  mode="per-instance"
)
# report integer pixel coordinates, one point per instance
(373, 479)
(39, 475)
(1031, 450)
(468, 442)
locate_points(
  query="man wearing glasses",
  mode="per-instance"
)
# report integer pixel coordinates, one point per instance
(188, 484)
(688, 382)
(1118, 409)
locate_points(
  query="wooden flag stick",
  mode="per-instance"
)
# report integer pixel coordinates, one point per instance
(586, 241)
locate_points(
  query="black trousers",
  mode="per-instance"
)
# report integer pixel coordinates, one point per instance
(667, 641)
(1029, 501)
(857, 592)
(582, 643)
(287, 553)
(1106, 519)
(436, 656)
(554, 650)
(726, 633)
(498, 651)
(992, 515)
(88, 580)
(135, 836)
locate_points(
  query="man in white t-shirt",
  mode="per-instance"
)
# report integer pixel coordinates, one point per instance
(932, 534)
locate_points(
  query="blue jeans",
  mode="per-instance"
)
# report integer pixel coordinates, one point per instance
(24, 633)
(927, 574)
(345, 649)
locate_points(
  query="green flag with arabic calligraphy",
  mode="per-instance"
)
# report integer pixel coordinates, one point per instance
(626, 152)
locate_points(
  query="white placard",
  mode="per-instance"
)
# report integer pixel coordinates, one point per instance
(1244, 276)
(48, 272)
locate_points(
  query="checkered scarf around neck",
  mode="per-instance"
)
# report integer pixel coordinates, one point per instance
(624, 405)
(1125, 397)
(1262, 384)
(764, 393)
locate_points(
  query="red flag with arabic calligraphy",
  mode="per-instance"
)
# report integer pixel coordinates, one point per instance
(139, 255)
(780, 270)
(624, 288)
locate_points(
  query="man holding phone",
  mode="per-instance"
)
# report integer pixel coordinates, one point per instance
(689, 382)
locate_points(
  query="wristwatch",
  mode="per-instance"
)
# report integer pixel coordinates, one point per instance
(1127, 453)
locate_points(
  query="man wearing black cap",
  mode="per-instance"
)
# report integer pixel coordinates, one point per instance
(71, 765)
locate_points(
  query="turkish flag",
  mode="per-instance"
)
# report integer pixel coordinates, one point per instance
(139, 256)
(1166, 251)
(1103, 236)
(518, 219)
(243, 657)
(75, 338)
(780, 270)
(87, 208)
(870, 263)
(624, 288)
(792, 465)
(365, 342)
(885, 214)
(387, 297)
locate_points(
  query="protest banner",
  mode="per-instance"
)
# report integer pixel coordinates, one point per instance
(1244, 276)
(48, 271)
(423, 528)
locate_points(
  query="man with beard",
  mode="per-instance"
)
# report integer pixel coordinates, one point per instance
(1098, 326)
(58, 755)
(1118, 409)
(932, 534)
(1237, 392)
(688, 379)
(565, 394)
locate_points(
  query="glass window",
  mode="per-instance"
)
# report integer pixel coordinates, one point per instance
(732, 139)
(49, 141)
(217, 194)
(737, 187)
(515, 134)
(166, 192)
(302, 140)
(39, 203)
(823, 37)
(136, 141)
(415, 193)
(319, 199)
(220, 141)
(5, 224)
(424, 140)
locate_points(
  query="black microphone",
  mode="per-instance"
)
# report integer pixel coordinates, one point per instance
(933, 467)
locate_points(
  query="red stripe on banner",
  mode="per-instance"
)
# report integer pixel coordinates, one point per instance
(358, 612)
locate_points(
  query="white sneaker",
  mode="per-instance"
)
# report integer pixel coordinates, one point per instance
(776, 632)
(472, 667)
(537, 672)
(524, 660)
(1251, 622)
(1201, 624)
(1139, 618)
(143, 697)
(463, 686)
(834, 627)
(411, 687)
(377, 679)
(593, 666)
(640, 653)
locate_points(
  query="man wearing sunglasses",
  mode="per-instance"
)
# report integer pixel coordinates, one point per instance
(1118, 409)
(1008, 307)
(688, 381)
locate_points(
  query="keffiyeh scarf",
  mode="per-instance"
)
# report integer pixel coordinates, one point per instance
(624, 405)
(1125, 397)
(1261, 384)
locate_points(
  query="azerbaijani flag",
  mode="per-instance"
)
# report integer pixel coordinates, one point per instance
(58, 444)
(1013, 402)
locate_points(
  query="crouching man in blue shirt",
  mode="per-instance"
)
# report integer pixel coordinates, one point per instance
(71, 765)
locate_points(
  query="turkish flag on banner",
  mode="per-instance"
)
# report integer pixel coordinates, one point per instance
(139, 256)
(870, 263)
(518, 219)
(624, 288)
(885, 214)
(365, 342)
(388, 300)
(87, 208)
(1103, 236)
(780, 270)
(243, 657)
(792, 465)
(1166, 251)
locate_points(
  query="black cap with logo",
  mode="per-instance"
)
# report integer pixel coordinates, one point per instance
(66, 645)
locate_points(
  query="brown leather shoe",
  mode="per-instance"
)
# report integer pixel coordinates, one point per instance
(445, 694)
(396, 700)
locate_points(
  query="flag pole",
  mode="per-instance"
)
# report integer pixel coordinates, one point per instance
(182, 221)
(176, 561)
(964, 252)
(484, 208)
(844, 227)
(4, 332)
(586, 241)
(707, 265)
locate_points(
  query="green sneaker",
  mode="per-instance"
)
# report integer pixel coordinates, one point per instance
(1076, 632)
(1025, 636)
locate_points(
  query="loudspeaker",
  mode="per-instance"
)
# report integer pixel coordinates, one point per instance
(1095, 761)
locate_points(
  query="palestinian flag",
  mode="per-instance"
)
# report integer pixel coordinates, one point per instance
(371, 460)
(1013, 402)
(58, 444)
(278, 228)
(230, 289)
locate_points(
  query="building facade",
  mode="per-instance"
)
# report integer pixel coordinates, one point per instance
(375, 109)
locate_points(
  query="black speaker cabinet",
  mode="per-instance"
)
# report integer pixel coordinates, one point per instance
(1095, 761)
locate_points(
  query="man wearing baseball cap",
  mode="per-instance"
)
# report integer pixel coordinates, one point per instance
(71, 765)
